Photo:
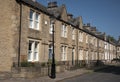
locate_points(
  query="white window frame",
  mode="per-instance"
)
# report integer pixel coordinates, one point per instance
(95, 42)
(99, 43)
(92, 56)
(63, 53)
(80, 54)
(33, 55)
(87, 57)
(73, 52)
(34, 23)
(92, 40)
(73, 33)
(31, 18)
(80, 36)
(64, 31)
(51, 28)
(86, 38)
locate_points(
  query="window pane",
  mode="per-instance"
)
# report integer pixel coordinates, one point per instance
(51, 29)
(31, 23)
(50, 51)
(73, 33)
(31, 14)
(62, 31)
(37, 21)
(31, 18)
(36, 25)
(65, 31)
(35, 56)
(37, 17)
(30, 50)
(29, 55)
(30, 46)
(36, 46)
(62, 53)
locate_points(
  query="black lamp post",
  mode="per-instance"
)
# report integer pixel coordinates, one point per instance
(53, 67)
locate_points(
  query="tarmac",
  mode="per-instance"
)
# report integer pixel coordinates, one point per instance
(59, 77)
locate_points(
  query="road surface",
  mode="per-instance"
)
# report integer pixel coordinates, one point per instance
(110, 74)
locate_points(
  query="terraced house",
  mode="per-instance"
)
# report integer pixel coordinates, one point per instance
(26, 32)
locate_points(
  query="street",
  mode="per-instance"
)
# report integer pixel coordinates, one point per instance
(110, 74)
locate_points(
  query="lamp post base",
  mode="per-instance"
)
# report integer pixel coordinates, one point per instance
(53, 71)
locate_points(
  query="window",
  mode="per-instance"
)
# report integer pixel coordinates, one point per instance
(95, 42)
(86, 55)
(64, 53)
(118, 49)
(64, 31)
(92, 40)
(51, 28)
(73, 56)
(100, 43)
(50, 51)
(80, 54)
(93, 56)
(86, 38)
(31, 18)
(34, 20)
(80, 36)
(73, 33)
(33, 50)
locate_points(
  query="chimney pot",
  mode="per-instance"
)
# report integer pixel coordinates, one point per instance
(34, 0)
(88, 24)
(52, 4)
(70, 16)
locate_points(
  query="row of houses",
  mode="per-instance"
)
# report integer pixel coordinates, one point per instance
(26, 34)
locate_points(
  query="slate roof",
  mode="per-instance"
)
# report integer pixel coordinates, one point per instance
(57, 12)
(36, 5)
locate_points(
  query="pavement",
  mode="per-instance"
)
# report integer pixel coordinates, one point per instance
(59, 77)
(108, 74)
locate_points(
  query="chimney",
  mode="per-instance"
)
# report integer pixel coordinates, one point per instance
(34, 0)
(70, 16)
(88, 24)
(52, 4)
(104, 34)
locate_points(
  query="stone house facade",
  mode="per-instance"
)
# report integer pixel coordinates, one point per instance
(26, 35)
(118, 48)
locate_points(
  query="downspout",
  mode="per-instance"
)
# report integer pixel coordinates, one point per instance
(77, 47)
(97, 62)
(98, 49)
(19, 42)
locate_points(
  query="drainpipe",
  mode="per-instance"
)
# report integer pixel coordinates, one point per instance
(19, 42)
(97, 63)
(77, 49)
(116, 51)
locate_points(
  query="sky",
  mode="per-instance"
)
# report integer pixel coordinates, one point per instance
(103, 14)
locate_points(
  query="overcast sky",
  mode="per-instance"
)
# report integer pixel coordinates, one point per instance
(104, 14)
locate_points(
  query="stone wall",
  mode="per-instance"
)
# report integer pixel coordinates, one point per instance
(30, 72)
(9, 26)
